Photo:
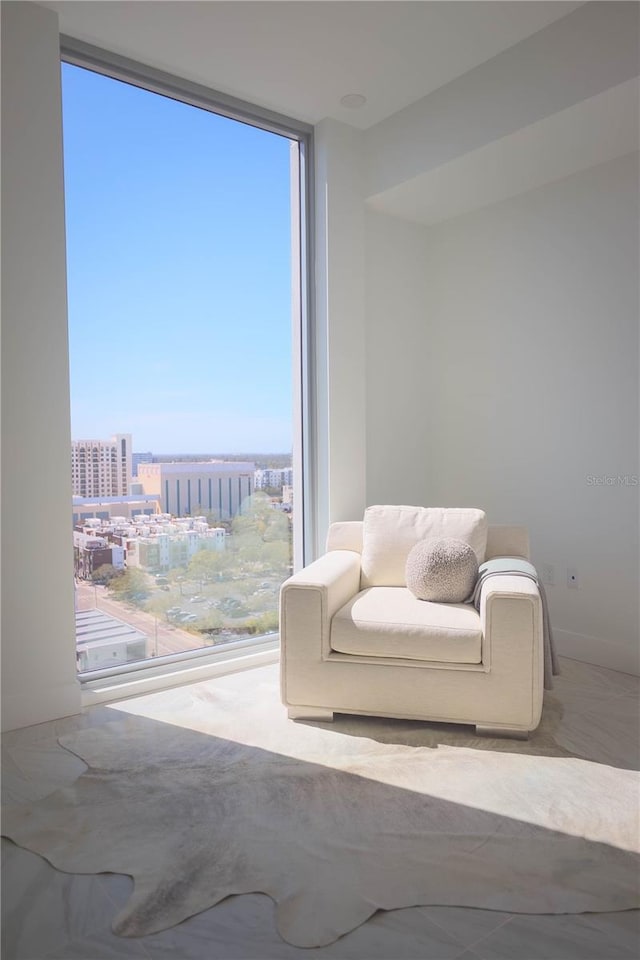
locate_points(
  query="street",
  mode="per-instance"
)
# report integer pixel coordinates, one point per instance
(164, 638)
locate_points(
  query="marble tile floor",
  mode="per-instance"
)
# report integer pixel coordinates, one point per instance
(47, 914)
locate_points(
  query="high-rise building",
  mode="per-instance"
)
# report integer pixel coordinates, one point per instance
(137, 458)
(101, 468)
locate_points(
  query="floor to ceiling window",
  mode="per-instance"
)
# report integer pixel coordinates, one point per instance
(186, 289)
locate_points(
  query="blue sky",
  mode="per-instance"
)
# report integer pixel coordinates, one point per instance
(178, 261)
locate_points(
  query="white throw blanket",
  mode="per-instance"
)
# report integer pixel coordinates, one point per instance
(517, 567)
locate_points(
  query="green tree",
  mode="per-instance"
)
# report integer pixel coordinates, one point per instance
(261, 536)
(210, 621)
(132, 586)
(265, 623)
(206, 564)
(276, 555)
(213, 520)
(105, 573)
(259, 523)
(259, 519)
(159, 604)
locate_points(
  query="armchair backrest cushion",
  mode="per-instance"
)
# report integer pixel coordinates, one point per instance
(507, 541)
(345, 535)
(502, 541)
(389, 532)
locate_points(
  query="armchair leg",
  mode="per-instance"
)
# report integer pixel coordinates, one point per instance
(310, 713)
(483, 730)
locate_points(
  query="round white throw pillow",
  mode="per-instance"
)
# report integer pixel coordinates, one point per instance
(443, 570)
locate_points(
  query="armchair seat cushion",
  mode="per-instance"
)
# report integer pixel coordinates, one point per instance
(391, 622)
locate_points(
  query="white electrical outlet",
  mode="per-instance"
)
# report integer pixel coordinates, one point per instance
(548, 574)
(572, 577)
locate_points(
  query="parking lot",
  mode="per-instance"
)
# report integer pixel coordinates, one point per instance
(183, 615)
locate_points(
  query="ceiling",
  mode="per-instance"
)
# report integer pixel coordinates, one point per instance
(593, 131)
(299, 58)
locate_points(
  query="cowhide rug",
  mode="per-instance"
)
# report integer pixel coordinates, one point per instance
(222, 794)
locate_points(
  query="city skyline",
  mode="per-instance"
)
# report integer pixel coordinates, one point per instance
(179, 273)
(190, 454)
(106, 470)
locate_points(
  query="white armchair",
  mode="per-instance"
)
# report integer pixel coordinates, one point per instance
(382, 652)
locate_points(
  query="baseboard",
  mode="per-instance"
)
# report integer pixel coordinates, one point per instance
(37, 705)
(602, 653)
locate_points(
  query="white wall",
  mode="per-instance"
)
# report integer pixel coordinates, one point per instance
(397, 424)
(521, 381)
(38, 631)
(340, 317)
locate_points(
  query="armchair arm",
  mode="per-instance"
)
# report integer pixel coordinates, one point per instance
(308, 601)
(510, 584)
(512, 628)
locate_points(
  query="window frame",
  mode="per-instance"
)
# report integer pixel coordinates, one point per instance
(109, 64)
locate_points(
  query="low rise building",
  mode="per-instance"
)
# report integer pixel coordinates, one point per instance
(108, 508)
(217, 487)
(91, 551)
(163, 551)
(274, 479)
(104, 641)
(152, 542)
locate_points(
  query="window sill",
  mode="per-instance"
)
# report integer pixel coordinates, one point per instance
(157, 677)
